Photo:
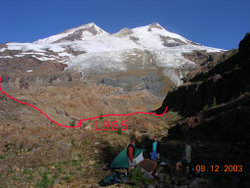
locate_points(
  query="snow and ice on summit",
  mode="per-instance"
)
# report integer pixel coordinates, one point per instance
(89, 48)
(81, 33)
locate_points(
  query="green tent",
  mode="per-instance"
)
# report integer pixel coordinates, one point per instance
(121, 160)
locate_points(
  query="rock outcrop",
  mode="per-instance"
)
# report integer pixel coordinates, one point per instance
(215, 108)
(224, 82)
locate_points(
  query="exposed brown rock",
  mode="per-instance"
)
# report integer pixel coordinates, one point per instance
(168, 41)
(77, 35)
(148, 165)
(155, 25)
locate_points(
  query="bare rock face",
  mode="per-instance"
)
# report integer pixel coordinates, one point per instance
(171, 42)
(202, 58)
(77, 35)
(15, 113)
(40, 74)
(225, 122)
(244, 46)
(205, 61)
(155, 25)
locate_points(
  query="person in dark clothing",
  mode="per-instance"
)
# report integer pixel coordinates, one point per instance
(156, 149)
(186, 158)
(131, 154)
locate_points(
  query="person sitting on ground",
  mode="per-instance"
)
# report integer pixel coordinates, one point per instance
(155, 153)
(186, 158)
(131, 154)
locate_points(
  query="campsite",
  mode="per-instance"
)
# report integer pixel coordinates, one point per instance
(147, 172)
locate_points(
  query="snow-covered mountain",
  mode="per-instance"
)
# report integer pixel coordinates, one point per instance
(89, 49)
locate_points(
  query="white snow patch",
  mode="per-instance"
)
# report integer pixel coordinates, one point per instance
(3, 49)
(151, 39)
(34, 53)
(63, 54)
(29, 71)
(25, 47)
(98, 62)
(44, 58)
(56, 48)
(19, 55)
(6, 57)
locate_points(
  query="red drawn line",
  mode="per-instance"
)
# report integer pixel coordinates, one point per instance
(80, 121)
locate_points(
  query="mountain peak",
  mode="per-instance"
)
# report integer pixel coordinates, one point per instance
(91, 27)
(123, 32)
(155, 25)
(91, 24)
(78, 33)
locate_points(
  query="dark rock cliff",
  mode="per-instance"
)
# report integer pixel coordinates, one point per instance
(215, 110)
(224, 82)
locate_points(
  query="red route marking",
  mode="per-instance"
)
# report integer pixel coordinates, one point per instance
(80, 121)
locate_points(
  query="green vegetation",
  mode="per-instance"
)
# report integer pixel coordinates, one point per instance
(119, 131)
(100, 118)
(95, 157)
(214, 102)
(16, 179)
(71, 173)
(248, 87)
(138, 177)
(96, 166)
(236, 67)
(85, 142)
(29, 178)
(176, 116)
(173, 118)
(205, 107)
(0, 178)
(47, 176)
(2, 157)
(66, 163)
(87, 169)
(79, 155)
(74, 163)
(45, 181)
(58, 168)
(27, 171)
(72, 124)
(79, 169)
(55, 176)
(66, 178)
